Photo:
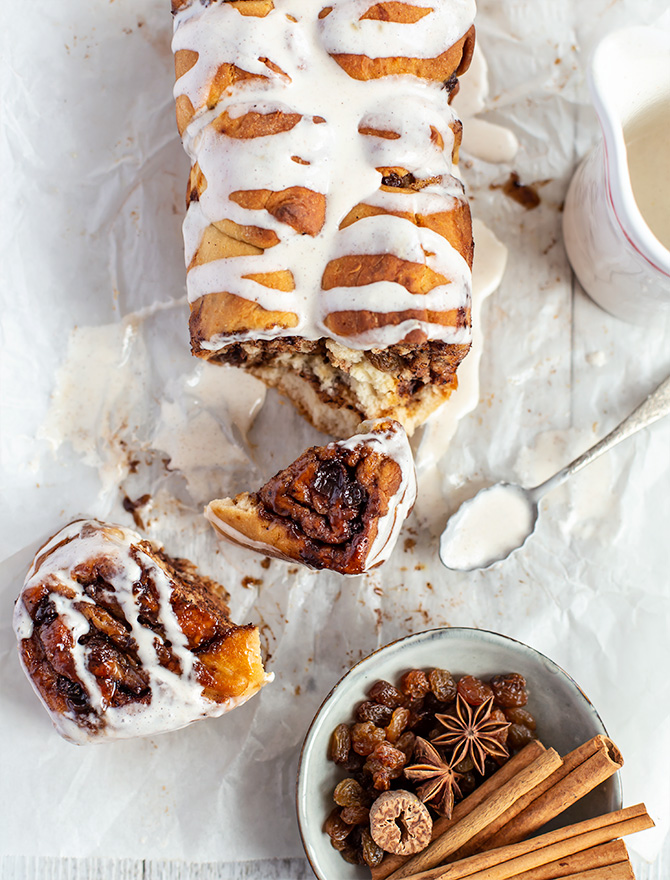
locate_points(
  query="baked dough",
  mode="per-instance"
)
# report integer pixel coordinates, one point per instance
(339, 506)
(120, 640)
(328, 238)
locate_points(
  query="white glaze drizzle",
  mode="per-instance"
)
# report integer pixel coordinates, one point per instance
(390, 441)
(176, 699)
(342, 163)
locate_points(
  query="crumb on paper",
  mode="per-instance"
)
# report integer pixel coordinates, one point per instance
(409, 545)
(596, 358)
(525, 195)
(249, 581)
(132, 507)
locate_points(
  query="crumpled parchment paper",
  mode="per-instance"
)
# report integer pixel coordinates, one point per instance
(101, 400)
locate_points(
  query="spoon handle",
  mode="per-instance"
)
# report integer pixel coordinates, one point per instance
(653, 408)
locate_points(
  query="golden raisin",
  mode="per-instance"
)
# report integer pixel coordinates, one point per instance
(350, 793)
(340, 743)
(397, 724)
(405, 743)
(372, 854)
(442, 685)
(365, 737)
(509, 690)
(499, 717)
(473, 690)
(418, 709)
(520, 716)
(355, 815)
(415, 684)
(518, 736)
(384, 764)
(336, 829)
(375, 712)
(384, 692)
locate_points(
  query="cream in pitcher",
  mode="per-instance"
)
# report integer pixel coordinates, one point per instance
(616, 222)
(648, 148)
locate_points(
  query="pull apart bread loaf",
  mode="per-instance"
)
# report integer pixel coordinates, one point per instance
(328, 239)
(120, 640)
(339, 506)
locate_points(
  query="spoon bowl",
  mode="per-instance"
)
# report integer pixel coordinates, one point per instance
(488, 527)
(499, 519)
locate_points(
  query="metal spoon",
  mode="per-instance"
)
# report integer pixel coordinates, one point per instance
(499, 519)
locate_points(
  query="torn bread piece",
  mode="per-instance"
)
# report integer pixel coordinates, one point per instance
(120, 640)
(339, 506)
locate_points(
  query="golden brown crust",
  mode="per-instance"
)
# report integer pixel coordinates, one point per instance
(257, 8)
(301, 208)
(216, 244)
(253, 124)
(357, 270)
(393, 10)
(417, 278)
(354, 322)
(211, 313)
(455, 224)
(454, 62)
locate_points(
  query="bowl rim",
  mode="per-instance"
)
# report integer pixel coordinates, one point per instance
(496, 636)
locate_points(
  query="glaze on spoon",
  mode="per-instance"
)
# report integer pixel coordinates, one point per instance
(499, 519)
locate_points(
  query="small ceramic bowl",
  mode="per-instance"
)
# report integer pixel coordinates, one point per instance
(565, 719)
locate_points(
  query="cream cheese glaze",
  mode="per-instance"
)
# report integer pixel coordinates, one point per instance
(176, 700)
(390, 440)
(336, 160)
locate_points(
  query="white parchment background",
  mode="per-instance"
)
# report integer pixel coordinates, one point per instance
(93, 177)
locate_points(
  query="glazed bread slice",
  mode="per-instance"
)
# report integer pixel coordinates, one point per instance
(328, 238)
(339, 506)
(119, 640)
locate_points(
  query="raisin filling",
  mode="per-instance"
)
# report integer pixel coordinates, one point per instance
(321, 494)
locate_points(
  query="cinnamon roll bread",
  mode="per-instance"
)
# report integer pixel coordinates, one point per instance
(328, 238)
(120, 640)
(339, 506)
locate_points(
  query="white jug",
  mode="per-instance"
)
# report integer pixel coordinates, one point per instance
(616, 221)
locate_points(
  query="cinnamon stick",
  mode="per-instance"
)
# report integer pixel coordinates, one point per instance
(605, 855)
(487, 811)
(582, 770)
(620, 871)
(509, 769)
(509, 861)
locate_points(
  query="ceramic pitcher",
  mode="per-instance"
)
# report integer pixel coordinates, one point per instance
(616, 222)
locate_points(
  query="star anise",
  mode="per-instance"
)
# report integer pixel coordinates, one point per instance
(472, 733)
(439, 779)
